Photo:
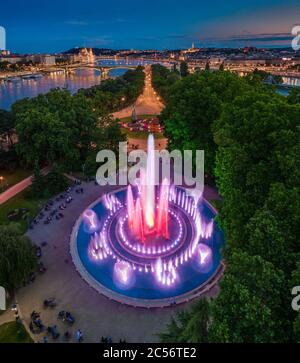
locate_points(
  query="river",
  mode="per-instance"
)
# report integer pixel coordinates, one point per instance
(20, 88)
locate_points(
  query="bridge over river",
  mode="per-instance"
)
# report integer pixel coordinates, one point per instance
(68, 69)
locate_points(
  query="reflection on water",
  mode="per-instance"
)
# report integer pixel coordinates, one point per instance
(123, 62)
(16, 90)
(283, 91)
(81, 78)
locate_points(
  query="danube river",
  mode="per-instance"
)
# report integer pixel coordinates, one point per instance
(18, 88)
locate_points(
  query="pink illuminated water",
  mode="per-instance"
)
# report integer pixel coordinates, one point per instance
(148, 207)
(155, 233)
(123, 274)
(143, 217)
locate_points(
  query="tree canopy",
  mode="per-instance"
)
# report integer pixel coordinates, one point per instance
(17, 257)
(250, 135)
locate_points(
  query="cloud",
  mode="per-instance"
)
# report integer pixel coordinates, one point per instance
(246, 38)
(111, 21)
(76, 22)
(263, 37)
(120, 20)
(261, 26)
(178, 36)
(96, 41)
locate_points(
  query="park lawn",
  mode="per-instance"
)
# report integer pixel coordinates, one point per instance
(141, 134)
(20, 201)
(13, 332)
(13, 177)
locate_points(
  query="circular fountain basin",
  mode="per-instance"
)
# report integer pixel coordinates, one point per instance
(194, 275)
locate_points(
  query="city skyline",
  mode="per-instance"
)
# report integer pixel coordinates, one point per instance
(56, 26)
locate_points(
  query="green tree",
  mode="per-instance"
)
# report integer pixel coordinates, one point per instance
(184, 70)
(267, 239)
(42, 136)
(295, 281)
(192, 107)
(249, 307)
(252, 137)
(189, 326)
(163, 79)
(17, 257)
(6, 127)
(251, 134)
(294, 96)
(297, 328)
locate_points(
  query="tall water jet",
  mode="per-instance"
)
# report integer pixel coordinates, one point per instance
(130, 207)
(91, 222)
(123, 274)
(139, 220)
(162, 225)
(143, 217)
(150, 184)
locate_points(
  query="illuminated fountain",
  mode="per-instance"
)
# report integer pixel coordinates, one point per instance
(149, 242)
(143, 218)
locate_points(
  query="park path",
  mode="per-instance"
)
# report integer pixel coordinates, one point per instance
(19, 187)
(148, 103)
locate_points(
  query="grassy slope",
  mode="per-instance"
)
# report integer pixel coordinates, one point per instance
(12, 178)
(20, 201)
(13, 332)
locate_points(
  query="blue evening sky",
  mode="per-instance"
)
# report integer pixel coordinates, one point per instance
(57, 25)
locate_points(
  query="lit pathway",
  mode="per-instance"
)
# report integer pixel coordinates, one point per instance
(19, 187)
(147, 103)
(95, 315)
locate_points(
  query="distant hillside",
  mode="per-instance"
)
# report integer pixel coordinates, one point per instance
(96, 51)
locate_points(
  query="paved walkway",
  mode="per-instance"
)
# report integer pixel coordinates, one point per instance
(147, 103)
(7, 316)
(95, 315)
(19, 187)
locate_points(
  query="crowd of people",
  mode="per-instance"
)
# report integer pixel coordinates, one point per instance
(36, 325)
(52, 210)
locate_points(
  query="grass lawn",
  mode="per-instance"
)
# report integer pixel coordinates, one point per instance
(13, 177)
(13, 332)
(20, 201)
(142, 134)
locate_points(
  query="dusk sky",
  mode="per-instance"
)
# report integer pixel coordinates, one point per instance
(57, 25)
